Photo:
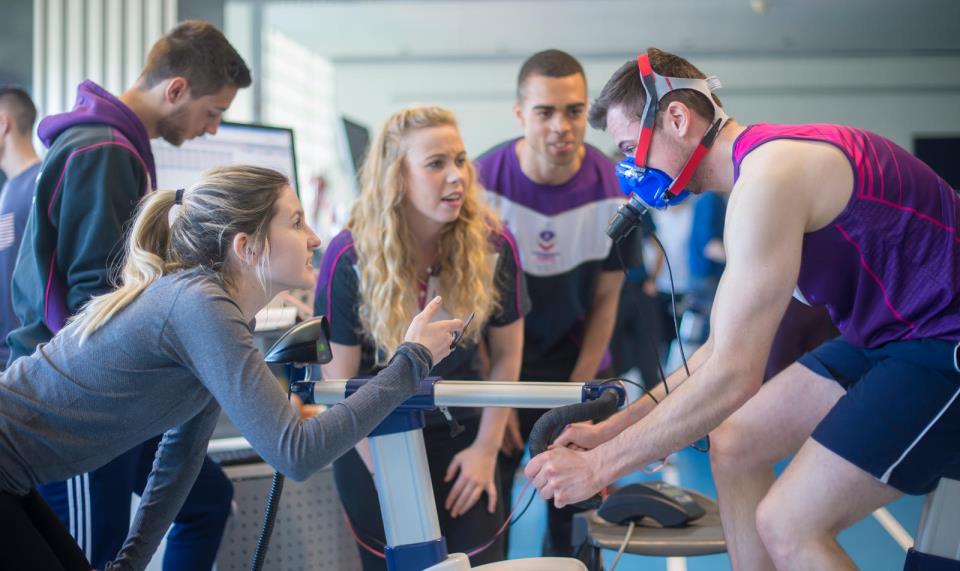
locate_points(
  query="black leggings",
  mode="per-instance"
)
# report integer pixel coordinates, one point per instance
(558, 539)
(555, 365)
(32, 537)
(477, 526)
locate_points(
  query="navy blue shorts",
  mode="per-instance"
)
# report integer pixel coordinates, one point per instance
(900, 418)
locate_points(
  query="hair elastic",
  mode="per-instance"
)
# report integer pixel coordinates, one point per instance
(174, 211)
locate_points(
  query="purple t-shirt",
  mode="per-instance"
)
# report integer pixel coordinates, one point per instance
(888, 267)
(561, 236)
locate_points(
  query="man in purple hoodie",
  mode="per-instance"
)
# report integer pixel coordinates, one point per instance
(98, 166)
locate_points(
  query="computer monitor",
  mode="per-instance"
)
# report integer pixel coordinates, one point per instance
(354, 143)
(940, 153)
(234, 144)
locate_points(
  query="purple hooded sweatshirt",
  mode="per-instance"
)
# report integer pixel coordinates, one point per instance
(98, 167)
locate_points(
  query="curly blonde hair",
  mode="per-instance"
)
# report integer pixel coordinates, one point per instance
(385, 247)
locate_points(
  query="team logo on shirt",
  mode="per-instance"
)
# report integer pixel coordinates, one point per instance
(546, 242)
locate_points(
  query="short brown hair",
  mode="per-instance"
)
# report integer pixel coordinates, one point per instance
(548, 63)
(15, 101)
(625, 88)
(198, 52)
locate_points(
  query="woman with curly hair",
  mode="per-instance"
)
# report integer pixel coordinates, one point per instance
(421, 227)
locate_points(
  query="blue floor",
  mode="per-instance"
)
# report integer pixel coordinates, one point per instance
(867, 542)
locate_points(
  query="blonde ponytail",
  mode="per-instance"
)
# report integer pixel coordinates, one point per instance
(226, 201)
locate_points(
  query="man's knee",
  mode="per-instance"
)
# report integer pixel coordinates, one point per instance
(785, 532)
(779, 536)
(733, 446)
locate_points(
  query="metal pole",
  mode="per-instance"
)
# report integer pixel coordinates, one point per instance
(477, 393)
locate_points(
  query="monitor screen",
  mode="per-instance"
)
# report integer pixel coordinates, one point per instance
(940, 153)
(357, 139)
(234, 144)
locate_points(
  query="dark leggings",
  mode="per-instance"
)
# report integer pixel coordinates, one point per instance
(477, 526)
(558, 541)
(554, 365)
(32, 537)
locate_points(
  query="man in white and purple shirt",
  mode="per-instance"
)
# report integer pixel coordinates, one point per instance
(556, 194)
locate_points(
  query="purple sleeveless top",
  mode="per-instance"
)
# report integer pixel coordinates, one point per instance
(888, 267)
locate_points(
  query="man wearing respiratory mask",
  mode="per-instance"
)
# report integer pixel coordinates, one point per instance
(839, 217)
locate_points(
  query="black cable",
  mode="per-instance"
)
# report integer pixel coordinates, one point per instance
(645, 390)
(676, 329)
(270, 513)
(371, 539)
(273, 501)
(269, 519)
(673, 301)
(649, 337)
(517, 517)
(663, 376)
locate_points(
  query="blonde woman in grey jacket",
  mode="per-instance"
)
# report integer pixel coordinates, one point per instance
(168, 349)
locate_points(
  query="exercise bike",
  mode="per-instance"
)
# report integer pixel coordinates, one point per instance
(401, 472)
(402, 477)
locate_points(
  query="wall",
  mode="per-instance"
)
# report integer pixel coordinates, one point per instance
(886, 65)
(103, 40)
(897, 96)
(16, 47)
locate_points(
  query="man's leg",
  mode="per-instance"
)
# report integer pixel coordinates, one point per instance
(819, 495)
(769, 427)
(895, 431)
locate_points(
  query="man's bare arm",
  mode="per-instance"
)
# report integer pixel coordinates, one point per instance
(769, 215)
(764, 244)
(586, 435)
